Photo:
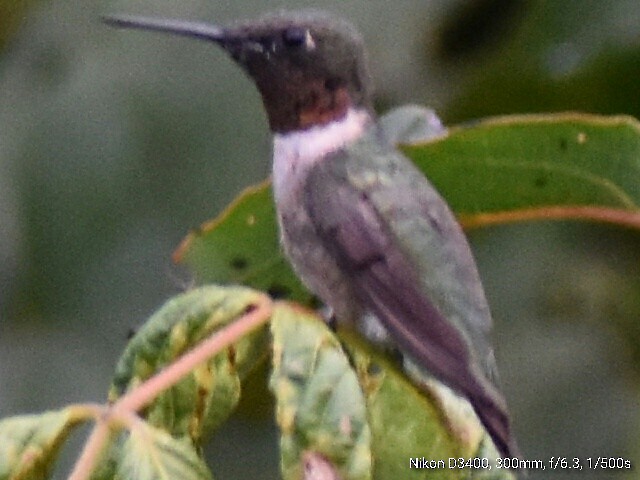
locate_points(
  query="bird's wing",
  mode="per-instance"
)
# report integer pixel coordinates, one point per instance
(409, 265)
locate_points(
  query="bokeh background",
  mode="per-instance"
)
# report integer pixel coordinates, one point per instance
(113, 144)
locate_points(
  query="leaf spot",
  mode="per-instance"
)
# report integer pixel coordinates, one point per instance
(278, 291)
(540, 182)
(563, 144)
(239, 263)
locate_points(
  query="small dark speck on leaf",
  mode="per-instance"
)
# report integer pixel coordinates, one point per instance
(131, 333)
(278, 291)
(202, 392)
(374, 369)
(315, 303)
(231, 355)
(540, 182)
(250, 308)
(239, 263)
(563, 144)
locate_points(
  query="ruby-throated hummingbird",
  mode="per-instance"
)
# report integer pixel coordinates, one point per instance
(362, 227)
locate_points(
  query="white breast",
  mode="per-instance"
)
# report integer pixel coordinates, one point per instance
(295, 152)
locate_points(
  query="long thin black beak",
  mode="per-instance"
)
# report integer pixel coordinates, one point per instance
(185, 28)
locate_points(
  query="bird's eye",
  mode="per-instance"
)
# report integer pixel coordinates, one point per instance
(294, 36)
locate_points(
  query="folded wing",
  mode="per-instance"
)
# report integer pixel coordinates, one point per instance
(381, 221)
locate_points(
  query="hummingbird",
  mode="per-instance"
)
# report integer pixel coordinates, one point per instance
(362, 227)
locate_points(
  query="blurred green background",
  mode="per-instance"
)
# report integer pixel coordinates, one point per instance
(113, 144)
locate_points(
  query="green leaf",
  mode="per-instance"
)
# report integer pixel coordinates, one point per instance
(241, 247)
(29, 444)
(320, 406)
(408, 422)
(206, 397)
(153, 454)
(365, 420)
(551, 164)
(111, 456)
(499, 170)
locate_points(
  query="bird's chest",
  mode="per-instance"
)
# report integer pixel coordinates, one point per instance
(306, 251)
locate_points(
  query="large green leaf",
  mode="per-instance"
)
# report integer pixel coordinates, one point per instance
(320, 407)
(541, 166)
(241, 247)
(359, 416)
(499, 170)
(416, 432)
(29, 444)
(205, 398)
(153, 454)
